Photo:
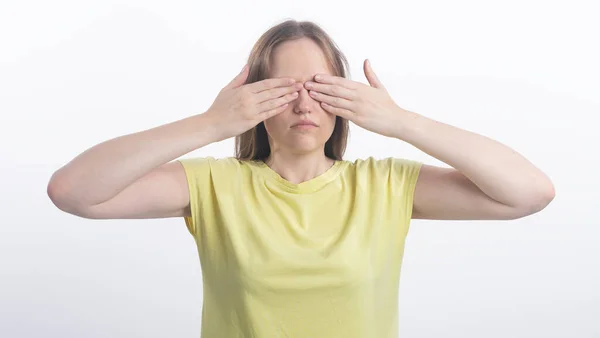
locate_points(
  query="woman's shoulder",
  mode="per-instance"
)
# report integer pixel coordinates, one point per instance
(394, 173)
(385, 163)
(211, 160)
(218, 164)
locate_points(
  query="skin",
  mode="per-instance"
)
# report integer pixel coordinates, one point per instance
(298, 154)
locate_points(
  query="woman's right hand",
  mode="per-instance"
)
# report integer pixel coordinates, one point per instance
(239, 107)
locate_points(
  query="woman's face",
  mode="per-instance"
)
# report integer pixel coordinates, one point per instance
(300, 59)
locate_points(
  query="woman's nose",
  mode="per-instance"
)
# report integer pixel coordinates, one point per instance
(304, 102)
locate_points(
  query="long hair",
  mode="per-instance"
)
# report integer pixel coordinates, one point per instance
(254, 143)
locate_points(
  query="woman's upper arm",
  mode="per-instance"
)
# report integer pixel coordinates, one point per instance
(161, 193)
(446, 194)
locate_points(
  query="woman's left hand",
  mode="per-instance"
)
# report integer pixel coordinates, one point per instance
(369, 107)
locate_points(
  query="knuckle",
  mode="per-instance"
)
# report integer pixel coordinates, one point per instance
(246, 105)
(270, 83)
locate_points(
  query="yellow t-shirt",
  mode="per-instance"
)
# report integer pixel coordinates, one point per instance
(317, 259)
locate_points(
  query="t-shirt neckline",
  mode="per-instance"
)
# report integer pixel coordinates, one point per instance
(311, 185)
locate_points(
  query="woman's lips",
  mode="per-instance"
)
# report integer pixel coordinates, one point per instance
(304, 126)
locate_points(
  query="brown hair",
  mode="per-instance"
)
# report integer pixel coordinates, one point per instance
(254, 143)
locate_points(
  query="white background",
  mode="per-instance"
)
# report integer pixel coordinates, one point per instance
(76, 73)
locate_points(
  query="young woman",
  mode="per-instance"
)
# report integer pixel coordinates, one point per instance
(293, 240)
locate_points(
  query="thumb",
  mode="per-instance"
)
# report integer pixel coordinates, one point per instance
(239, 79)
(371, 77)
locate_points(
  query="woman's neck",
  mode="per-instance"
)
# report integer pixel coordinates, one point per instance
(299, 168)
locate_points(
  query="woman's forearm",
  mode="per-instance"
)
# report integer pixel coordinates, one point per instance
(102, 171)
(499, 171)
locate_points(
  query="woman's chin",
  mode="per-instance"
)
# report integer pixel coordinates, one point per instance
(306, 146)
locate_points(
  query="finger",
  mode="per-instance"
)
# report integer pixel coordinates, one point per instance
(239, 79)
(371, 76)
(341, 112)
(332, 90)
(274, 103)
(331, 100)
(336, 80)
(275, 111)
(277, 92)
(266, 84)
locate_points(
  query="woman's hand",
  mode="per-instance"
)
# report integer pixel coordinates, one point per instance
(240, 107)
(370, 107)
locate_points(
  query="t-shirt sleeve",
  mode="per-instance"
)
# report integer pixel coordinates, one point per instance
(210, 181)
(404, 174)
(198, 174)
